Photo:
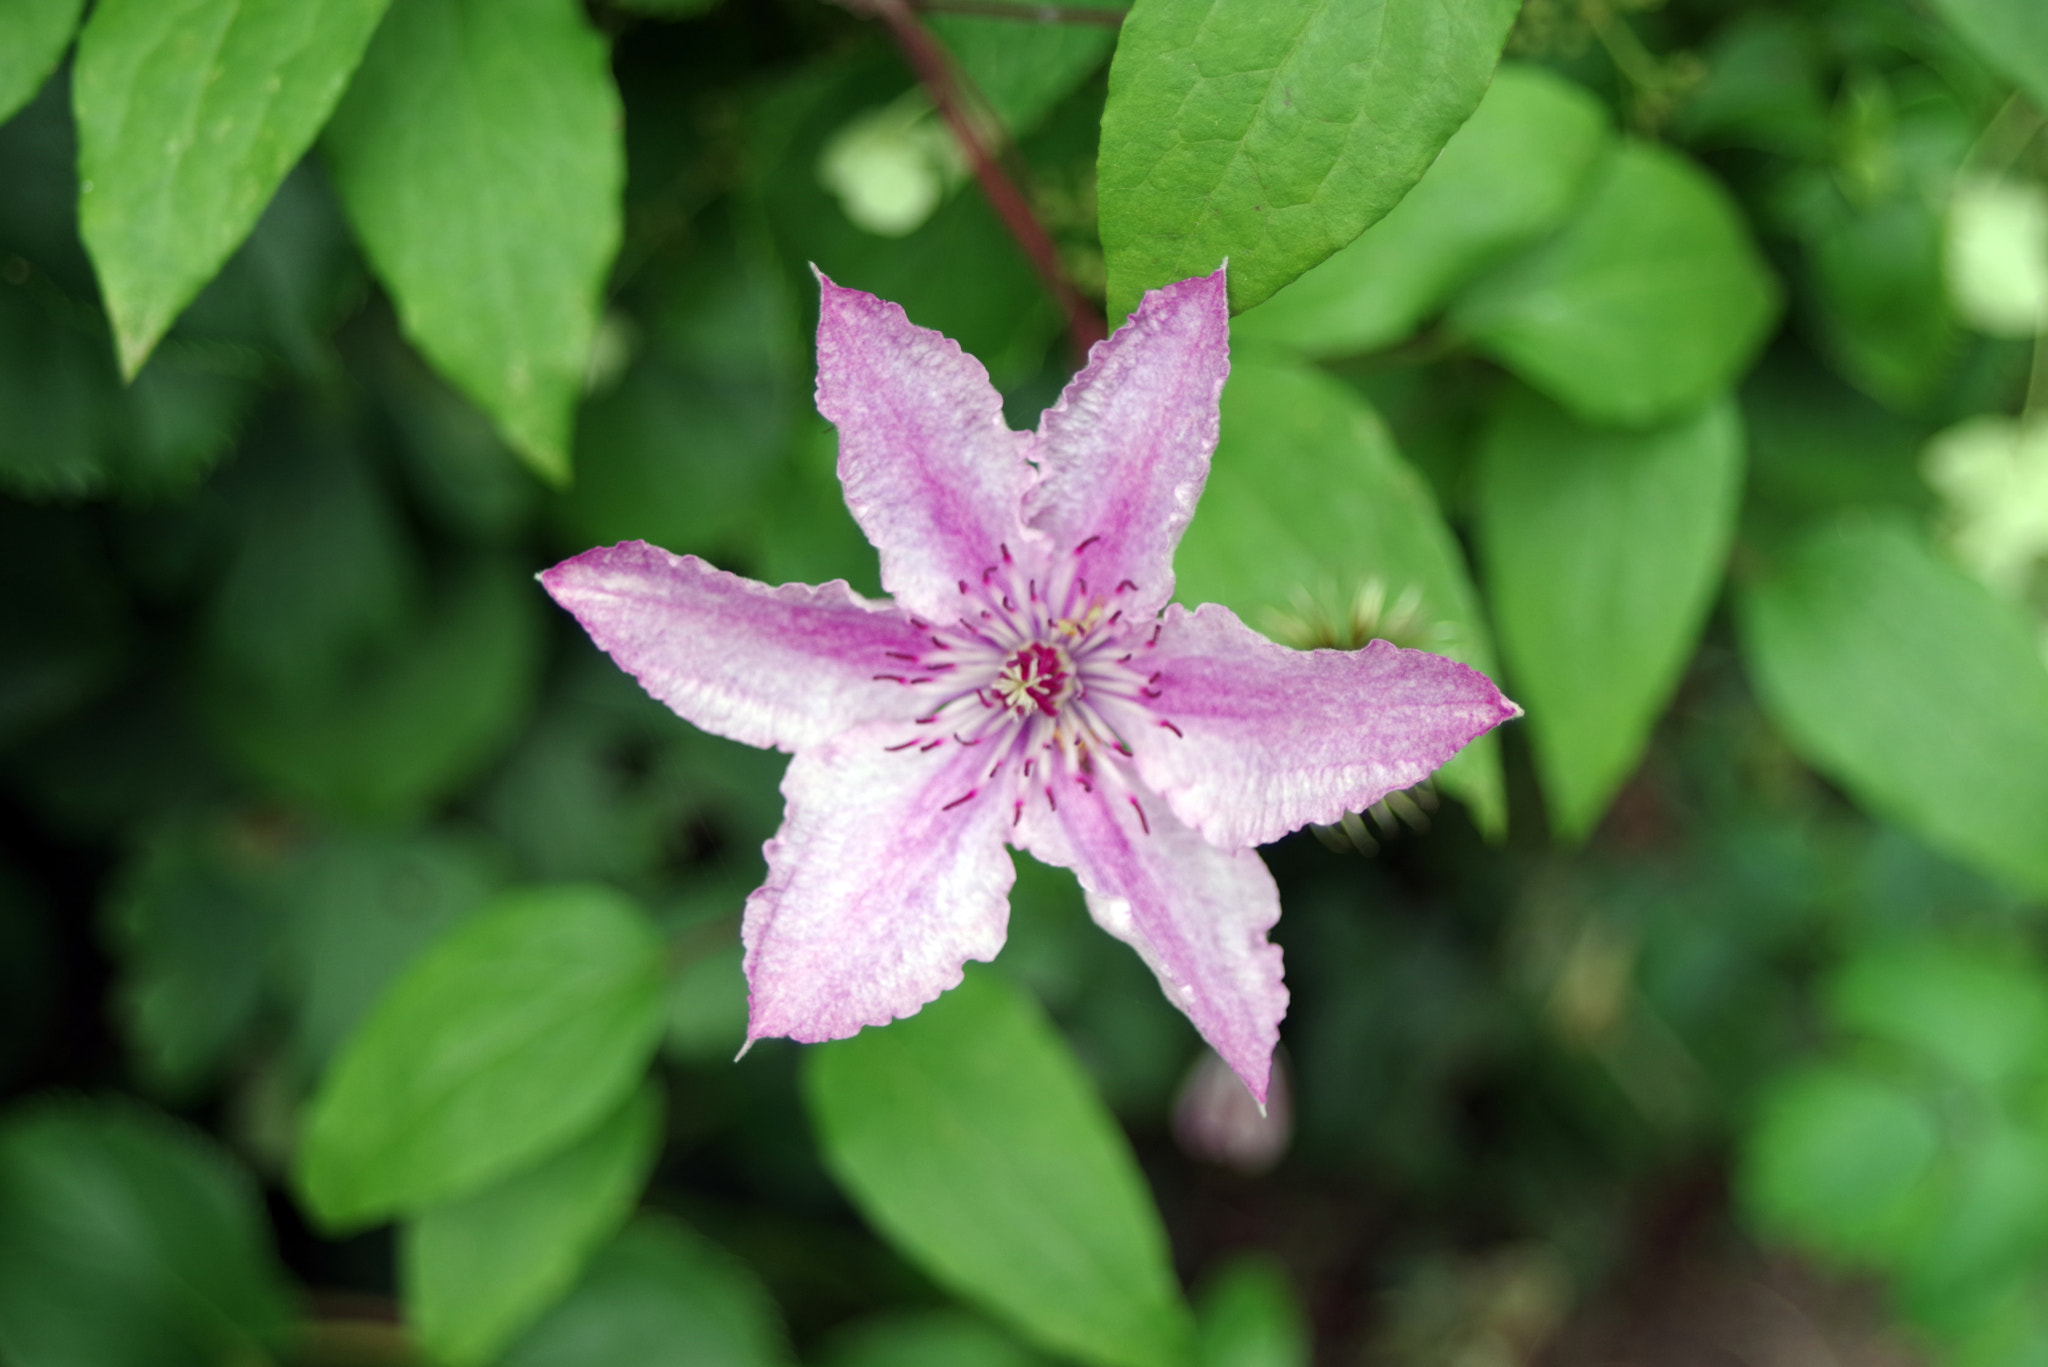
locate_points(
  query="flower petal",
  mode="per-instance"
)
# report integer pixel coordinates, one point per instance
(881, 884)
(1249, 740)
(787, 667)
(1124, 453)
(1196, 914)
(931, 472)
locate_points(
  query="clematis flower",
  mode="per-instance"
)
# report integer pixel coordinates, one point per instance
(1029, 684)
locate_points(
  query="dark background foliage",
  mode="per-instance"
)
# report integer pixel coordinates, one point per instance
(1707, 1015)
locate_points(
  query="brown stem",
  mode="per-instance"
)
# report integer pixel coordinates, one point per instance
(929, 60)
(1024, 11)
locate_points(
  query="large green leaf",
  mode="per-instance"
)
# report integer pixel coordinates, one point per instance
(1273, 132)
(189, 114)
(1904, 680)
(1602, 549)
(659, 1296)
(479, 156)
(509, 1039)
(33, 36)
(480, 1269)
(1840, 1161)
(2010, 35)
(1982, 1016)
(1648, 304)
(1315, 531)
(129, 1241)
(970, 1137)
(1510, 175)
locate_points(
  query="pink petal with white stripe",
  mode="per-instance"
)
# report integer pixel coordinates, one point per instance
(1124, 454)
(1249, 740)
(888, 874)
(1196, 914)
(787, 667)
(931, 472)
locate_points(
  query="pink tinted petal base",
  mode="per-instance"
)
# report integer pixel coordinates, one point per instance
(885, 878)
(1196, 914)
(787, 667)
(1249, 740)
(931, 472)
(1124, 454)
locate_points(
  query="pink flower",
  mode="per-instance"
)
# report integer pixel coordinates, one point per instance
(1030, 684)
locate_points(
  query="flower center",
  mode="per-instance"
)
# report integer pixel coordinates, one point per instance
(1036, 676)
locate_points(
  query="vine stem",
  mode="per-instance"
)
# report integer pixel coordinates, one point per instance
(934, 68)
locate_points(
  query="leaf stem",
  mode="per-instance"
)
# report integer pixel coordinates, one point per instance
(934, 68)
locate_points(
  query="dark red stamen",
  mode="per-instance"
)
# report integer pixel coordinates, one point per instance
(1127, 584)
(958, 800)
(1086, 544)
(1171, 727)
(905, 746)
(1142, 822)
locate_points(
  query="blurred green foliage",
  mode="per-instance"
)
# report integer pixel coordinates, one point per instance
(369, 962)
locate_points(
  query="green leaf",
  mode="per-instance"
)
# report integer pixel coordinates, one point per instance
(73, 431)
(1272, 132)
(2011, 36)
(1023, 68)
(970, 1137)
(1648, 304)
(127, 1240)
(479, 156)
(1251, 1316)
(509, 1039)
(363, 906)
(1512, 174)
(1841, 1163)
(33, 36)
(1881, 302)
(925, 1338)
(1313, 529)
(1981, 1016)
(407, 723)
(195, 919)
(1602, 549)
(480, 1269)
(189, 114)
(1903, 679)
(659, 1296)
(1990, 1225)
(634, 481)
